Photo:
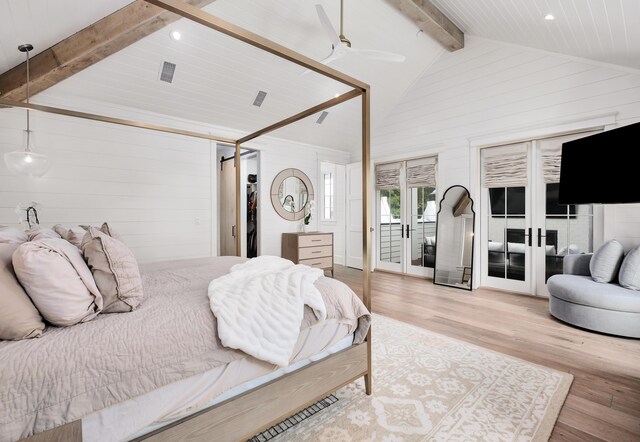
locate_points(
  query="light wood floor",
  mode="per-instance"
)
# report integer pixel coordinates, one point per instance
(604, 400)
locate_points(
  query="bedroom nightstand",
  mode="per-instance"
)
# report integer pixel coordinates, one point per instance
(314, 249)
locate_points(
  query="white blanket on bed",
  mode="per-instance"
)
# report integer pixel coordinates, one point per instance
(259, 306)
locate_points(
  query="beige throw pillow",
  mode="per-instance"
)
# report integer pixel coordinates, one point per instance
(107, 230)
(38, 232)
(115, 271)
(19, 318)
(11, 235)
(73, 234)
(58, 281)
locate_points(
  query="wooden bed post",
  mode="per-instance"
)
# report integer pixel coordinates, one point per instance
(238, 200)
(366, 221)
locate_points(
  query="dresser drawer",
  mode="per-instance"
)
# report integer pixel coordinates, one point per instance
(315, 240)
(319, 263)
(315, 252)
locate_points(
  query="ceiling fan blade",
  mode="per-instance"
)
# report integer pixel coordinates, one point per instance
(333, 56)
(327, 26)
(378, 55)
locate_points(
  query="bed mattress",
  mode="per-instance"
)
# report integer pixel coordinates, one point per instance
(160, 407)
(73, 372)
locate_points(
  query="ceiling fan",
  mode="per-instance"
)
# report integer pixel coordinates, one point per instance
(341, 46)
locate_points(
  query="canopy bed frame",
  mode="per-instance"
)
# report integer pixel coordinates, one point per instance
(245, 415)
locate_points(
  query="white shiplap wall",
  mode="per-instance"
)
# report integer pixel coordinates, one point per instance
(158, 190)
(494, 88)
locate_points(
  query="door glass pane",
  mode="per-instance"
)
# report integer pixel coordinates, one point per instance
(507, 222)
(568, 230)
(390, 227)
(423, 212)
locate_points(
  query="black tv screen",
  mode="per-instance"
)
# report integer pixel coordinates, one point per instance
(601, 168)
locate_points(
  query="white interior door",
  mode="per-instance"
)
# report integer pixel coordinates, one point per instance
(354, 216)
(227, 197)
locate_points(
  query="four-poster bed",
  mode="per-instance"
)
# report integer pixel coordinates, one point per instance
(244, 415)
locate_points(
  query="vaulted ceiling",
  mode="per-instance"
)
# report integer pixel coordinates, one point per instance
(217, 78)
(603, 30)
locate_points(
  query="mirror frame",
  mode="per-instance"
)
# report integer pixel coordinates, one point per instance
(275, 193)
(473, 240)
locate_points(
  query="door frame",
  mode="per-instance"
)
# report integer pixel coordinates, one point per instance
(561, 127)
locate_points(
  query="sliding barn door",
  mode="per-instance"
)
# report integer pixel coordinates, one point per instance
(228, 208)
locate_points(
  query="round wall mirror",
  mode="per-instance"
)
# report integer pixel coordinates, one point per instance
(291, 190)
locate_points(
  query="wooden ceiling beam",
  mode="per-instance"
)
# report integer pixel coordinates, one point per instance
(432, 21)
(87, 47)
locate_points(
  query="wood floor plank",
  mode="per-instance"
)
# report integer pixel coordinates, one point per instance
(604, 400)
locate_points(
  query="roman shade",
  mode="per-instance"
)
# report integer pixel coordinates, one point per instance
(505, 166)
(422, 172)
(551, 155)
(388, 176)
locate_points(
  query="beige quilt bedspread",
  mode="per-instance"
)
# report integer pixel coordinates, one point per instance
(71, 372)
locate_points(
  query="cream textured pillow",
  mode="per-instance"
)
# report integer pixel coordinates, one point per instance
(629, 276)
(11, 235)
(38, 232)
(115, 271)
(19, 318)
(73, 234)
(107, 230)
(58, 281)
(605, 262)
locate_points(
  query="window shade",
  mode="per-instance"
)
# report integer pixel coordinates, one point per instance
(388, 176)
(422, 172)
(551, 155)
(505, 166)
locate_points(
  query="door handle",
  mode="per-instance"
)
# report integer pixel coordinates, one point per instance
(529, 233)
(540, 236)
(407, 231)
(233, 231)
(401, 231)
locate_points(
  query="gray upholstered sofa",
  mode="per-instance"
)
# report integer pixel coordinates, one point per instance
(577, 299)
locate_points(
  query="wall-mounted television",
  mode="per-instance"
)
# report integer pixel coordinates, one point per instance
(601, 168)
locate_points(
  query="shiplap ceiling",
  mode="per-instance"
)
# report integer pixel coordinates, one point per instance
(603, 30)
(217, 78)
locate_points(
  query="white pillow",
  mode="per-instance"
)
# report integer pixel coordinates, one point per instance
(551, 250)
(515, 247)
(606, 261)
(629, 276)
(495, 246)
(573, 249)
(11, 235)
(58, 281)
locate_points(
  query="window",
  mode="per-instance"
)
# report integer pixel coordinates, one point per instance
(328, 174)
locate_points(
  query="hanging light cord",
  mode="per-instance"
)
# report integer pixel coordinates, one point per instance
(28, 148)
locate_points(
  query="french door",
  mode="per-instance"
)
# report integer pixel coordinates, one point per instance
(526, 233)
(406, 221)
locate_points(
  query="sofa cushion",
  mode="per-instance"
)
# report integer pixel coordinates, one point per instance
(583, 290)
(605, 263)
(629, 276)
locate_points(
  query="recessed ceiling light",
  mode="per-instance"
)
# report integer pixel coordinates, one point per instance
(549, 17)
(176, 35)
(336, 95)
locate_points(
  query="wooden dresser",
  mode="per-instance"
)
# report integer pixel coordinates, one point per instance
(314, 249)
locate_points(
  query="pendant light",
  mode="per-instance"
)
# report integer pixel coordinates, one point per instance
(27, 162)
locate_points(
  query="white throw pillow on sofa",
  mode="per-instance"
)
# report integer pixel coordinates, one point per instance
(58, 281)
(629, 276)
(605, 263)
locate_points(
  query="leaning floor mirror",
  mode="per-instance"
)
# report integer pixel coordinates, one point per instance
(454, 239)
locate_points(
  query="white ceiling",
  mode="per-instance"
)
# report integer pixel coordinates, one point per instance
(603, 30)
(217, 78)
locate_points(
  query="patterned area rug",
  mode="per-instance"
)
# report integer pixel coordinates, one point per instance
(428, 387)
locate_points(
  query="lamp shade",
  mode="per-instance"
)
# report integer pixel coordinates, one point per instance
(27, 163)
